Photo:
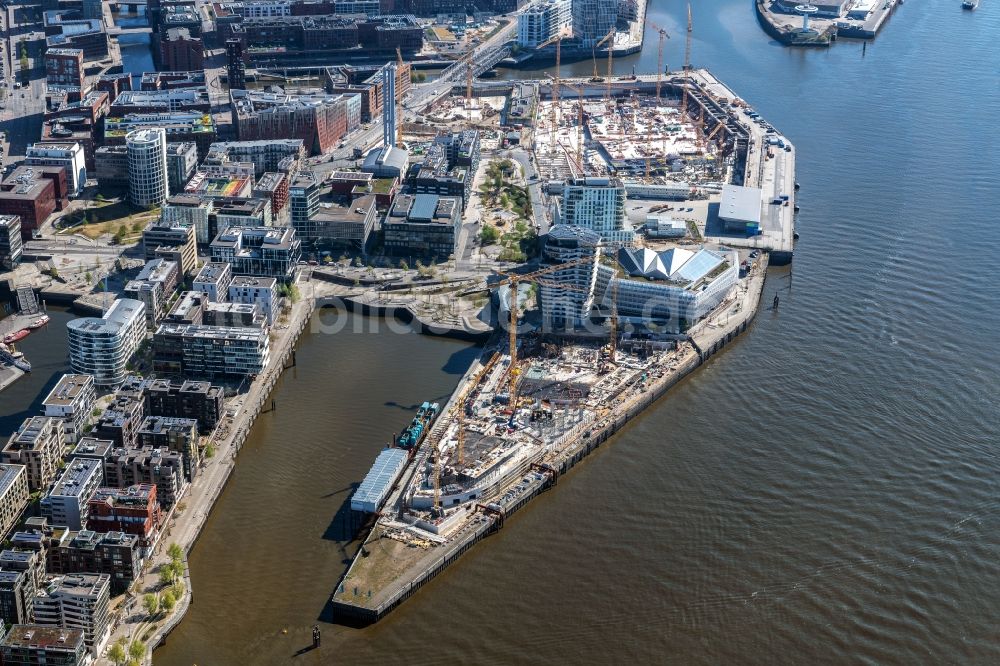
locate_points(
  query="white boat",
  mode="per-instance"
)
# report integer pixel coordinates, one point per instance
(970, 4)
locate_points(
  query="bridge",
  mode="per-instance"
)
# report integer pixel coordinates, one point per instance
(116, 31)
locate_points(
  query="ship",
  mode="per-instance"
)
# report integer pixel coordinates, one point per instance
(16, 336)
(970, 4)
(413, 434)
(15, 358)
(38, 323)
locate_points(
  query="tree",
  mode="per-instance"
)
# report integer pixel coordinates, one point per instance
(54, 272)
(151, 603)
(117, 652)
(168, 601)
(178, 589)
(209, 451)
(403, 265)
(137, 651)
(88, 276)
(489, 235)
(138, 226)
(167, 574)
(175, 552)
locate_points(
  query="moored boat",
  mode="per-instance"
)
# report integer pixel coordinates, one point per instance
(11, 338)
(38, 323)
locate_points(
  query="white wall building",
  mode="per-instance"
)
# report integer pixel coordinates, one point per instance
(213, 280)
(71, 400)
(597, 204)
(542, 21)
(66, 502)
(102, 346)
(260, 290)
(67, 155)
(147, 166)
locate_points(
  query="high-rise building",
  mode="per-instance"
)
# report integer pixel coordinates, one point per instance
(133, 510)
(103, 346)
(113, 553)
(258, 251)
(11, 244)
(259, 291)
(597, 204)
(235, 67)
(66, 502)
(67, 155)
(147, 166)
(71, 400)
(389, 109)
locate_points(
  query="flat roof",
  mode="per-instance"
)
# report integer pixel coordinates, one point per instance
(68, 389)
(740, 203)
(379, 480)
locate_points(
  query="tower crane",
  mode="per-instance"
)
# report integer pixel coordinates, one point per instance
(555, 85)
(659, 57)
(513, 281)
(687, 64)
(611, 54)
(579, 126)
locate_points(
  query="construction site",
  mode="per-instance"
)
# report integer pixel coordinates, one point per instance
(529, 409)
(634, 321)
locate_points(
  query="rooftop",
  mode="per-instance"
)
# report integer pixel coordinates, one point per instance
(75, 477)
(122, 312)
(68, 389)
(37, 636)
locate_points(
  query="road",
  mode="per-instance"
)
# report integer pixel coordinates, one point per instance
(21, 119)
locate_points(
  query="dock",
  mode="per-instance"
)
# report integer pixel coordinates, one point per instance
(781, 21)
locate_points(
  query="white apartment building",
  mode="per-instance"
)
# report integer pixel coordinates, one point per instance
(71, 400)
(542, 21)
(260, 290)
(78, 601)
(68, 155)
(14, 495)
(102, 346)
(66, 502)
(597, 204)
(213, 280)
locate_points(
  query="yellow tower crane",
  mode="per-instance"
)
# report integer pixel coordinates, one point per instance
(611, 54)
(555, 86)
(513, 281)
(659, 57)
(687, 64)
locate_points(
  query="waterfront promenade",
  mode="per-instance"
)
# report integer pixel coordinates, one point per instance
(184, 527)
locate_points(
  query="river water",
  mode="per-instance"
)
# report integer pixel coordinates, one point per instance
(825, 491)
